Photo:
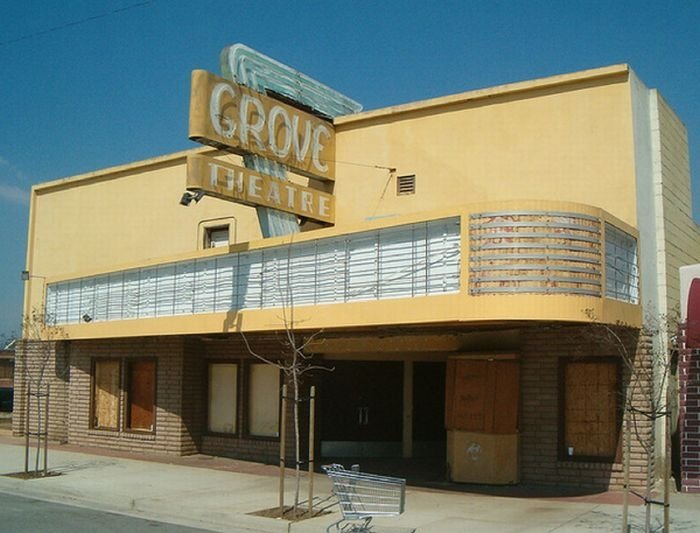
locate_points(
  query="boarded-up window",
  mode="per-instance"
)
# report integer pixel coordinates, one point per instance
(590, 396)
(263, 400)
(141, 397)
(482, 395)
(223, 391)
(105, 401)
(6, 370)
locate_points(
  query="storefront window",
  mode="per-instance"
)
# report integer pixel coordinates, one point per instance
(263, 400)
(141, 386)
(105, 396)
(591, 408)
(138, 386)
(223, 392)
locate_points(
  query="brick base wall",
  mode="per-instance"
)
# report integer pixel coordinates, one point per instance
(181, 401)
(689, 381)
(541, 461)
(171, 435)
(193, 398)
(41, 367)
(241, 445)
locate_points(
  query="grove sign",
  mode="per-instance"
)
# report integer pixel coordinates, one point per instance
(243, 185)
(240, 120)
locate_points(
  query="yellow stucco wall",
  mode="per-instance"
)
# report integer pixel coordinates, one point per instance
(124, 215)
(565, 138)
(462, 307)
(559, 140)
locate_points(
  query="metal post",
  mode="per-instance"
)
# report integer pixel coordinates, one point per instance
(668, 453)
(283, 435)
(26, 428)
(626, 466)
(38, 432)
(46, 429)
(312, 422)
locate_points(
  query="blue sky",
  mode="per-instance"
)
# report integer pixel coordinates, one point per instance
(87, 85)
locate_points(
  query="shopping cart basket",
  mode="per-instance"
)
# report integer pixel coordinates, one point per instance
(363, 496)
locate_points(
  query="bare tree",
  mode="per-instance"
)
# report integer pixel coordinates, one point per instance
(5, 338)
(293, 362)
(39, 367)
(647, 357)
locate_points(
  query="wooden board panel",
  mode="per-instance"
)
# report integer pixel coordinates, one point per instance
(506, 397)
(141, 408)
(482, 395)
(466, 403)
(106, 394)
(591, 409)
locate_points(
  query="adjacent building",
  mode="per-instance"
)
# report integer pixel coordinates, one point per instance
(7, 373)
(483, 247)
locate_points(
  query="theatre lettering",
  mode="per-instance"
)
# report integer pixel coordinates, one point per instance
(232, 182)
(235, 118)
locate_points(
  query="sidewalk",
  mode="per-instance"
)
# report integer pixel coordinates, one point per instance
(217, 494)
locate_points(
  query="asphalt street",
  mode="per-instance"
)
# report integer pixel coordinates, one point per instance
(19, 514)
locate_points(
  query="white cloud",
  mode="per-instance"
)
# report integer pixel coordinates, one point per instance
(13, 170)
(14, 194)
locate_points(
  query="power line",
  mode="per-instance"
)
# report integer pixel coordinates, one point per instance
(75, 23)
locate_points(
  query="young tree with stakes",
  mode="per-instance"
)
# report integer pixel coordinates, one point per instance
(647, 358)
(294, 364)
(40, 337)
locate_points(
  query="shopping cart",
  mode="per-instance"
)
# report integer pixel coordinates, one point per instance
(363, 496)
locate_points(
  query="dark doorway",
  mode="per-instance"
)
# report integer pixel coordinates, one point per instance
(429, 409)
(362, 409)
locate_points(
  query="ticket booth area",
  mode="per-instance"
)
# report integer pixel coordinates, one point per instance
(481, 417)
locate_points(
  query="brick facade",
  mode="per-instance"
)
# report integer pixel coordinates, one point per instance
(181, 401)
(172, 434)
(241, 445)
(689, 381)
(541, 353)
(42, 367)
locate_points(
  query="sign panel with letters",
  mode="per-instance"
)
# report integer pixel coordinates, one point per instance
(246, 186)
(238, 119)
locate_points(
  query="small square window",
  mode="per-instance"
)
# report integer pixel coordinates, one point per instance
(406, 184)
(216, 236)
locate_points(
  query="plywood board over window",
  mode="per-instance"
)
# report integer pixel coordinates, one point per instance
(141, 394)
(591, 409)
(482, 395)
(105, 401)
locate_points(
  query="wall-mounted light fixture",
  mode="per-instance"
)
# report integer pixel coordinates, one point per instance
(26, 276)
(189, 196)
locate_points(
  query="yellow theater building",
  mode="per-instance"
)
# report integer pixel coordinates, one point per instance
(455, 259)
